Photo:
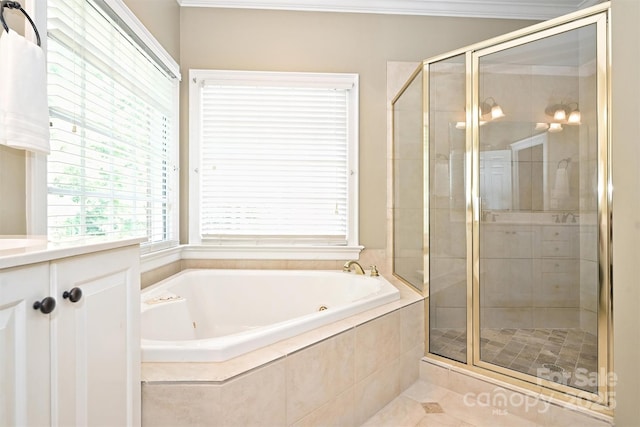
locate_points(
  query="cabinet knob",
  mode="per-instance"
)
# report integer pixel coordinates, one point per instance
(74, 294)
(46, 306)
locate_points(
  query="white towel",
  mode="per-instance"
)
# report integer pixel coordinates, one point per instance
(561, 188)
(24, 111)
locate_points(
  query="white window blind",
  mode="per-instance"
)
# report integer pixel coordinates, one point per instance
(276, 158)
(111, 171)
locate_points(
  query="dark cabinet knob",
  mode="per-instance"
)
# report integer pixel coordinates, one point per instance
(74, 294)
(46, 306)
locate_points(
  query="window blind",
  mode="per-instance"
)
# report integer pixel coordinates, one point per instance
(274, 162)
(111, 167)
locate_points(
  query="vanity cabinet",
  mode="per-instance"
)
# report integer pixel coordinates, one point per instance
(25, 380)
(78, 365)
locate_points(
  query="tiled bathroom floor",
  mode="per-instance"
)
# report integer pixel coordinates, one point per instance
(425, 404)
(568, 356)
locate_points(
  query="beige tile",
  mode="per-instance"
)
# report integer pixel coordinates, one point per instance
(180, 404)
(312, 265)
(375, 257)
(150, 277)
(401, 411)
(557, 416)
(318, 374)
(410, 366)
(424, 391)
(397, 74)
(377, 343)
(434, 374)
(507, 318)
(441, 420)
(208, 263)
(377, 390)
(462, 384)
(450, 318)
(214, 371)
(556, 318)
(255, 399)
(480, 412)
(339, 411)
(528, 406)
(412, 326)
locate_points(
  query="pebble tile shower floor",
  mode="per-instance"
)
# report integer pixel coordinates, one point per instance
(562, 355)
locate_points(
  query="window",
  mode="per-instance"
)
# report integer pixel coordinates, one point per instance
(112, 170)
(273, 159)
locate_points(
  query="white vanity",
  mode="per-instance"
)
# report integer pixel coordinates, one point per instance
(69, 335)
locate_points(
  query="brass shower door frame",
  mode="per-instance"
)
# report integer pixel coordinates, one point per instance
(599, 15)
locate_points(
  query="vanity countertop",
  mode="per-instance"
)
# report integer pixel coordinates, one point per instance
(21, 250)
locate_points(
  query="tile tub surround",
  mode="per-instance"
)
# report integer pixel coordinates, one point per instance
(342, 374)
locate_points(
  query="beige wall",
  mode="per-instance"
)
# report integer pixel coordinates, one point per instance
(162, 19)
(325, 42)
(625, 149)
(13, 217)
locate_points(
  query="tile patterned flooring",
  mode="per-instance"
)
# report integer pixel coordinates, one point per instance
(566, 356)
(426, 404)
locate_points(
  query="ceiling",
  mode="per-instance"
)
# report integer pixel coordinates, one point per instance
(508, 9)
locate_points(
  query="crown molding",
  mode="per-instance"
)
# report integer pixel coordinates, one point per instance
(506, 9)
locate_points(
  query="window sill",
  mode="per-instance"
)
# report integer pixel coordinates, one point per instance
(271, 252)
(157, 259)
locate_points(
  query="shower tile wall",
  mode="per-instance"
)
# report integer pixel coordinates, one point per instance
(408, 190)
(529, 275)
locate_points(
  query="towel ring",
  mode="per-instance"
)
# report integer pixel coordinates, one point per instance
(15, 5)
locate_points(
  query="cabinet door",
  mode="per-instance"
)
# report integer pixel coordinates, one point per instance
(96, 340)
(25, 388)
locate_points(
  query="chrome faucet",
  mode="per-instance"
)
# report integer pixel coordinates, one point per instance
(357, 267)
(574, 217)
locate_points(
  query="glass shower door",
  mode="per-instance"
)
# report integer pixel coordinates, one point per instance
(537, 216)
(447, 208)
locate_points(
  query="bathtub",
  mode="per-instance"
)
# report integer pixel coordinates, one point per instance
(203, 315)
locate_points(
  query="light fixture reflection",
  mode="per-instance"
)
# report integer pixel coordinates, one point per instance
(567, 113)
(555, 127)
(560, 114)
(490, 108)
(574, 117)
(542, 126)
(461, 125)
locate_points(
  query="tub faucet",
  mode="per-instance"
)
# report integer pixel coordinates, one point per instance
(357, 267)
(374, 271)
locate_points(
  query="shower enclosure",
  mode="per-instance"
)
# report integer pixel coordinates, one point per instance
(501, 204)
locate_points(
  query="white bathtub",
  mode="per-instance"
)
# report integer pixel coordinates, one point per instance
(215, 315)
